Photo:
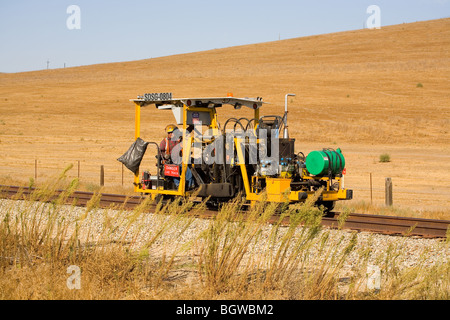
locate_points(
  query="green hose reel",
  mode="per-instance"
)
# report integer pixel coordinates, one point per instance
(325, 162)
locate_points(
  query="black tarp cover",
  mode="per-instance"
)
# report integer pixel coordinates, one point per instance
(133, 157)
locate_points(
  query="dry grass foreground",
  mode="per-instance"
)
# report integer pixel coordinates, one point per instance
(370, 92)
(171, 255)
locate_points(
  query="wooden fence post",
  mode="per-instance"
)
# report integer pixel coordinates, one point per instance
(102, 175)
(388, 193)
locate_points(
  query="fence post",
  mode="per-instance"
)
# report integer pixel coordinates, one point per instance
(388, 193)
(35, 170)
(102, 175)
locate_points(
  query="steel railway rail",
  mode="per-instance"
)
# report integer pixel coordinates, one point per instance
(427, 228)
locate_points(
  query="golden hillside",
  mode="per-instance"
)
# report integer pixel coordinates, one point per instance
(366, 91)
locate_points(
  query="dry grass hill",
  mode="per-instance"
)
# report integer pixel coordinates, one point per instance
(369, 92)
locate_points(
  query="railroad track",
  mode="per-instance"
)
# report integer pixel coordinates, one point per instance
(427, 228)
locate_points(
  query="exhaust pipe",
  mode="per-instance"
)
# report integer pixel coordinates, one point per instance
(286, 132)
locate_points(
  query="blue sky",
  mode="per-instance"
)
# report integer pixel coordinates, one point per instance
(34, 32)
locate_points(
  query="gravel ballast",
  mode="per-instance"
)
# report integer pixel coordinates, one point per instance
(181, 233)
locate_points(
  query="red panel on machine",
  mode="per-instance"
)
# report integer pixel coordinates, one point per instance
(171, 170)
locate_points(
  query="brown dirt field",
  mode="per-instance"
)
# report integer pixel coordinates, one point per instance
(357, 90)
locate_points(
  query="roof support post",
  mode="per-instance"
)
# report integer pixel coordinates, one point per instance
(137, 133)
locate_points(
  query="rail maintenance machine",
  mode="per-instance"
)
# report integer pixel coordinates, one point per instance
(247, 157)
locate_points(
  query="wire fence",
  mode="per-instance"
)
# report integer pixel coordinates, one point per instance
(101, 173)
(98, 172)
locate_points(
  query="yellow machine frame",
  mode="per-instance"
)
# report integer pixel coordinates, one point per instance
(278, 189)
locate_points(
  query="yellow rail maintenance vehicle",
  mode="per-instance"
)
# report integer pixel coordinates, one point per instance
(247, 157)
